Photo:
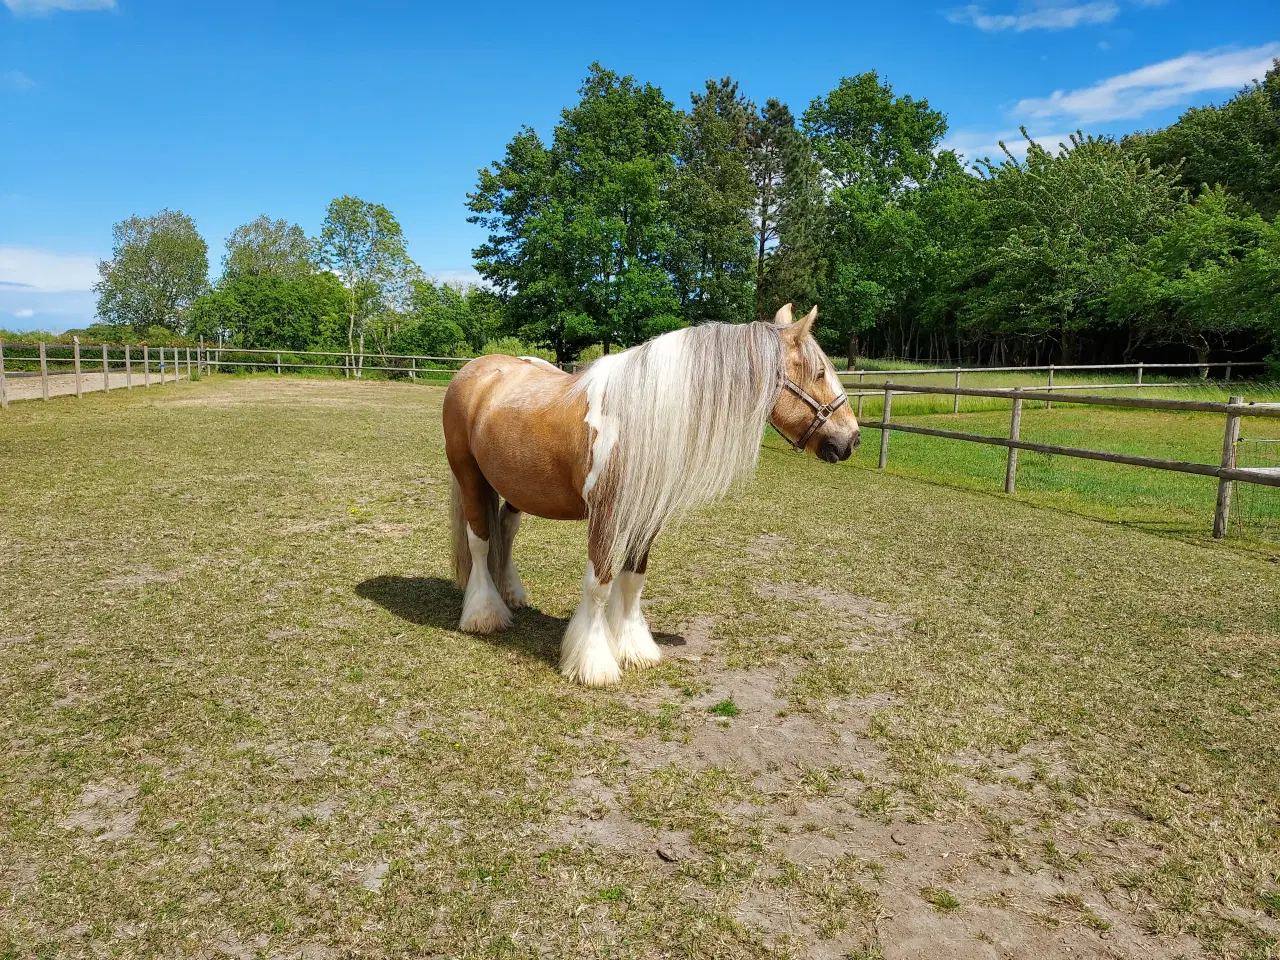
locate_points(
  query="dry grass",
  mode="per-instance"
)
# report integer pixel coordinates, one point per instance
(238, 720)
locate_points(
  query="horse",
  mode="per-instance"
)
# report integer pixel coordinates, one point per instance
(633, 441)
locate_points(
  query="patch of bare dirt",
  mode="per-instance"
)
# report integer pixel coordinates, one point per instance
(385, 529)
(696, 635)
(767, 546)
(859, 611)
(843, 864)
(138, 577)
(105, 811)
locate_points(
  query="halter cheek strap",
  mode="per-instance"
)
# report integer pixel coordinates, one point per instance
(821, 413)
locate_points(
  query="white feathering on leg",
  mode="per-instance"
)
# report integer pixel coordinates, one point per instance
(633, 644)
(586, 656)
(482, 608)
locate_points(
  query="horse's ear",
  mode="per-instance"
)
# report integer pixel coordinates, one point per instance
(783, 317)
(805, 326)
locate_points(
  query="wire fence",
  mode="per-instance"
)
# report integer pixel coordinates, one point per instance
(1255, 510)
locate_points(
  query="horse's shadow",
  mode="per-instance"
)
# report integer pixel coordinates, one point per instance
(436, 602)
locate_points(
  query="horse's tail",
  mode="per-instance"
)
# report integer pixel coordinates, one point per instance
(460, 547)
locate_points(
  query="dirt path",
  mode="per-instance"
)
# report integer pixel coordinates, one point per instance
(27, 386)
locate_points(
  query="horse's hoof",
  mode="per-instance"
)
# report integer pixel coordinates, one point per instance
(487, 619)
(633, 645)
(595, 674)
(516, 597)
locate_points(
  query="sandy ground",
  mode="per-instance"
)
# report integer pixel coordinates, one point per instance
(26, 386)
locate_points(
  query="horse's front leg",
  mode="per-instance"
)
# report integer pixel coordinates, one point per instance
(586, 653)
(633, 644)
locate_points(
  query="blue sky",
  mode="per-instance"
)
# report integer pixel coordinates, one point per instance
(230, 109)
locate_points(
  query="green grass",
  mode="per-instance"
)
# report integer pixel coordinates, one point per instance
(1155, 500)
(238, 716)
(944, 901)
(725, 708)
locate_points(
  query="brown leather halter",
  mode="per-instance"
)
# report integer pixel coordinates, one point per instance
(821, 413)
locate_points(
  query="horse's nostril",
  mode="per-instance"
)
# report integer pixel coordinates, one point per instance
(857, 440)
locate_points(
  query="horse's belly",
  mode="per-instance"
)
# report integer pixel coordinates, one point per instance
(533, 469)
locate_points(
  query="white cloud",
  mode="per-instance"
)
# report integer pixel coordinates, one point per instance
(975, 144)
(1164, 84)
(37, 8)
(460, 278)
(44, 271)
(1043, 17)
(24, 314)
(16, 80)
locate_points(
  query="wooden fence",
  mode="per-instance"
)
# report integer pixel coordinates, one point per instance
(94, 367)
(1050, 369)
(1226, 471)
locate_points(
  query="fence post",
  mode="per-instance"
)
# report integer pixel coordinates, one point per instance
(884, 429)
(1015, 430)
(1139, 374)
(1229, 438)
(146, 365)
(200, 358)
(4, 390)
(128, 367)
(75, 351)
(1048, 403)
(106, 371)
(861, 384)
(44, 372)
(413, 368)
(1228, 371)
(188, 352)
(278, 365)
(955, 406)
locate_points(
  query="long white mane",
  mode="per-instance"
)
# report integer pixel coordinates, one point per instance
(676, 422)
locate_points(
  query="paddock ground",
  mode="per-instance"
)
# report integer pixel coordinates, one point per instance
(897, 719)
(62, 383)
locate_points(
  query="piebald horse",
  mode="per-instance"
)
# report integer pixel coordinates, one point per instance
(634, 440)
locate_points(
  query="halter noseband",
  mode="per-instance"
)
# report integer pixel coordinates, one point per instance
(821, 413)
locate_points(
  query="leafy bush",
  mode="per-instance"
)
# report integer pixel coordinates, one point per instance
(593, 352)
(514, 347)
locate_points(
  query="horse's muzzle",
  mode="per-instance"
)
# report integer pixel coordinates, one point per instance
(835, 450)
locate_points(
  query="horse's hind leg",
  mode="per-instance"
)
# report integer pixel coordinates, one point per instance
(632, 643)
(482, 608)
(509, 584)
(586, 654)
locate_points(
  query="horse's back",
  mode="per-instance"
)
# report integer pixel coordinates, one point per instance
(523, 423)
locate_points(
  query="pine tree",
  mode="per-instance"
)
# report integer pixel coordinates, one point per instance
(712, 202)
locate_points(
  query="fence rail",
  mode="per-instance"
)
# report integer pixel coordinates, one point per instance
(1226, 471)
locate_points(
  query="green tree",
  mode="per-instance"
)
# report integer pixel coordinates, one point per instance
(159, 265)
(1193, 278)
(867, 138)
(579, 232)
(363, 244)
(266, 246)
(1236, 144)
(713, 197)
(449, 320)
(1068, 226)
(789, 211)
(874, 148)
(263, 310)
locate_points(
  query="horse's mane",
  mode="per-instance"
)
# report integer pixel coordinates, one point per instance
(677, 421)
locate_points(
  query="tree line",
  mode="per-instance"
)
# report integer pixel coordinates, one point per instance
(634, 217)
